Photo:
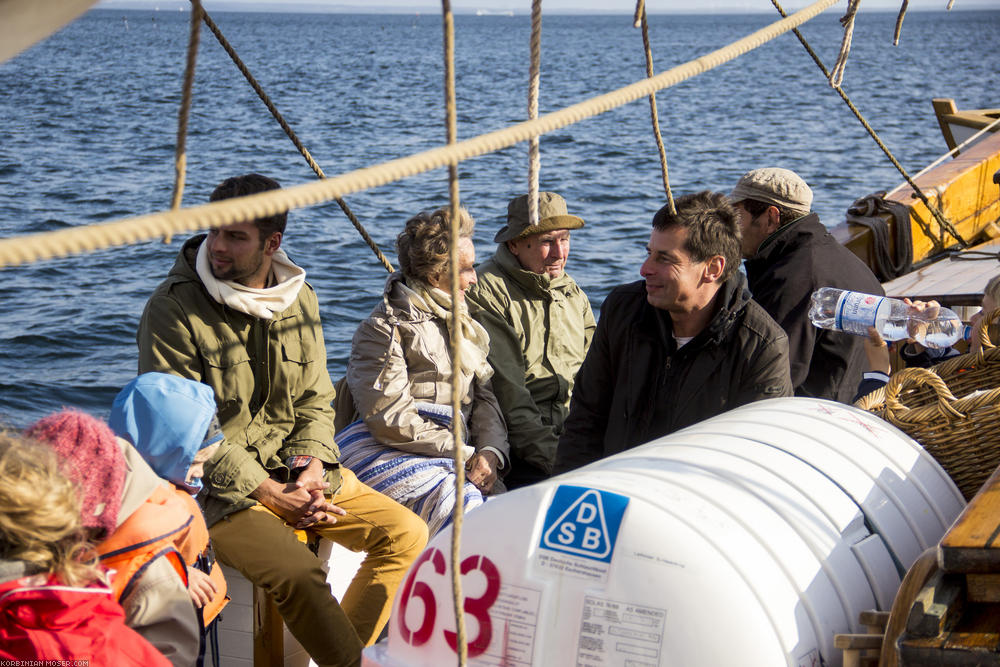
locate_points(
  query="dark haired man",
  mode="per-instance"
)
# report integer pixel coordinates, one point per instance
(236, 314)
(683, 344)
(789, 255)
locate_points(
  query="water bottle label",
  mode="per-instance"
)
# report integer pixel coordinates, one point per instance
(856, 312)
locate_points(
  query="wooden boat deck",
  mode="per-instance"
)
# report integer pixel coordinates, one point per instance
(956, 280)
(955, 620)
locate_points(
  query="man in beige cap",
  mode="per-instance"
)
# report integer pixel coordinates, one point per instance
(789, 254)
(540, 325)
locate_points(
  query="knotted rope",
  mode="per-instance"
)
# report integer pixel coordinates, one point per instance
(44, 245)
(451, 131)
(938, 215)
(180, 156)
(847, 20)
(294, 138)
(640, 20)
(534, 159)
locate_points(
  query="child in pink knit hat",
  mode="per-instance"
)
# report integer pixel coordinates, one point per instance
(139, 525)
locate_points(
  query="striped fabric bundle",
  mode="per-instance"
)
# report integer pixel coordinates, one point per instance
(424, 484)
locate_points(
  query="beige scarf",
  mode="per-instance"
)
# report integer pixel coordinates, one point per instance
(262, 303)
(475, 340)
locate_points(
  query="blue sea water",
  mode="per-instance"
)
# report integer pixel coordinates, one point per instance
(88, 122)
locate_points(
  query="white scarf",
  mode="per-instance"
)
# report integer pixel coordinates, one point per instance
(262, 303)
(475, 340)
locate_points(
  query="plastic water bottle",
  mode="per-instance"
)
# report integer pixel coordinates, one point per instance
(854, 312)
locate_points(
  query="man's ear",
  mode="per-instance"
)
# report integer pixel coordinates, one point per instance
(714, 268)
(773, 219)
(272, 244)
(514, 247)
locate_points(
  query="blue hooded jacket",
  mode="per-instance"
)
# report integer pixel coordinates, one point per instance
(167, 418)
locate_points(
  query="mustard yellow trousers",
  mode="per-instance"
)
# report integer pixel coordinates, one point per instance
(273, 555)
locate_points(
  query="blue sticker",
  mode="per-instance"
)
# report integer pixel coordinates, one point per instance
(583, 522)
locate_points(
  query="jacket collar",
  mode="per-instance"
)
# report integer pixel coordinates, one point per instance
(791, 234)
(730, 301)
(539, 284)
(184, 271)
(396, 303)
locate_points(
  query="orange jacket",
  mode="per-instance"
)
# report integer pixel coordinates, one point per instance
(169, 524)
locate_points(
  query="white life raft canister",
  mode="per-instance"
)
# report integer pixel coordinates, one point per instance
(748, 539)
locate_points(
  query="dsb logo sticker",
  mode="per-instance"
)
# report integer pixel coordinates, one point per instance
(583, 522)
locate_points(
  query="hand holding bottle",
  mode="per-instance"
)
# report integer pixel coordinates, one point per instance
(853, 312)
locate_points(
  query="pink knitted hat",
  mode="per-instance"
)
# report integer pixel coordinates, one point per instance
(89, 456)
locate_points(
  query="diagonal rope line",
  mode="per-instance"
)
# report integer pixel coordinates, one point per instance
(938, 215)
(84, 238)
(640, 11)
(291, 135)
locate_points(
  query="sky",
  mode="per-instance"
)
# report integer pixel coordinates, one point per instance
(554, 6)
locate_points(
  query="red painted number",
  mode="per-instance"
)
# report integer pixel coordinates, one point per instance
(478, 608)
(421, 590)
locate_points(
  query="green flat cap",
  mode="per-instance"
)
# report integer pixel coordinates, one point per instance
(552, 215)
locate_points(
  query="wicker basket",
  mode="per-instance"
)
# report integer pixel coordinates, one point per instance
(962, 433)
(963, 374)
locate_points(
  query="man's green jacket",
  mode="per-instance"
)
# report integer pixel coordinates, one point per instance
(271, 384)
(540, 329)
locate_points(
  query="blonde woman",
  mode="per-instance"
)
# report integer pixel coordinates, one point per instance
(400, 377)
(54, 604)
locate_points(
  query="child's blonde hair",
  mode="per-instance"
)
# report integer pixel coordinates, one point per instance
(992, 289)
(40, 513)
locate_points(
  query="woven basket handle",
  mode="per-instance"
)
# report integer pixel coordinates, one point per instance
(916, 377)
(982, 329)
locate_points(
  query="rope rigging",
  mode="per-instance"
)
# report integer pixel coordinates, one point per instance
(534, 77)
(227, 47)
(640, 20)
(458, 512)
(83, 238)
(180, 159)
(938, 215)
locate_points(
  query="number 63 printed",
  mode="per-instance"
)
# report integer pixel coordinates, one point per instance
(478, 607)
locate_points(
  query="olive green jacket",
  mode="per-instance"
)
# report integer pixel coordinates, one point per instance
(271, 384)
(540, 329)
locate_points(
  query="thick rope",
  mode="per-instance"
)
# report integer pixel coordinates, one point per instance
(458, 513)
(899, 22)
(45, 245)
(640, 11)
(938, 215)
(180, 156)
(534, 76)
(847, 20)
(295, 139)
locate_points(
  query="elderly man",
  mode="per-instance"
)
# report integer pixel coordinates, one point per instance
(540, 324)
(790, 254)
(236, 314)
(683, 344)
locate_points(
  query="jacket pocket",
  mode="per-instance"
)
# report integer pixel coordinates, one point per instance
(227, 370)
(295, 352)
